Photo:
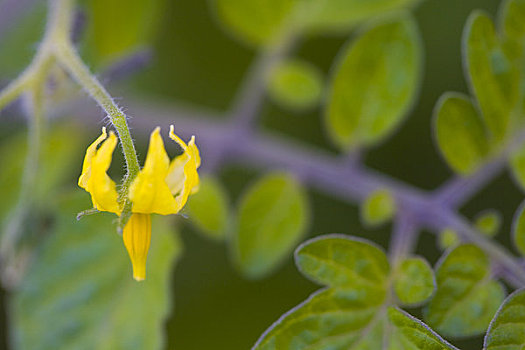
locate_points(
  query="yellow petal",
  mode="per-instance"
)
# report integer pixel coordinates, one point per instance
(177, 139)
(94, 178)
(183, 176)
(137, 237)
(149, 191)
(175, 177)
(90, 152)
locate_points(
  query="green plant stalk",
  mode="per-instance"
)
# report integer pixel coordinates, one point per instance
(62, 48)
(70, 60)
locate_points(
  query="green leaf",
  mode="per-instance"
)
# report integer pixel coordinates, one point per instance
(411, 333)
(414, 281)
(256, 22)
(493, 78)
(507, 329)
(344, 315)
(329, 319)
(466, 298)
(79, 293)
(208, 209)
(352, 313)
(517, 167)
(460, 133)
(513, 26)
(295, 85)
(378, 208)
(342, 261)
(488, 222)
(518, 229)
(375, 83)
(342, 15)
(119, 27)
(341, 320)
(272, 217)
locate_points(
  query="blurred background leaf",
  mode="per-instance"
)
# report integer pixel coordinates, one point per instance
(116, 28)
(296, 85)
(58, 164)
(460, 133)
(272, 217)
(79, 291)
(518, 229)
(374, 84)
(256, 22)
(342, 15)
(493, 79)
(209, 208)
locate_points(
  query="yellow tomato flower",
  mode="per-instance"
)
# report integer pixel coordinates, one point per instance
(161, 187)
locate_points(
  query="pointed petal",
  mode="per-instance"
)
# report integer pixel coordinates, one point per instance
(195, 151)
(137, 237)
(90, 152)
(189, 168)
(149, 191)
(177, 139)
(99, 184)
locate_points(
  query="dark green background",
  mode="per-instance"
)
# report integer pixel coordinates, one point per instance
(197, 64)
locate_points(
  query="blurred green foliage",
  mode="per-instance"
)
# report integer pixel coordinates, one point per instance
(59, 158)
(460, 133)
(272, 217)
(296, 85)
(209, 209)
(116, 28)
(374, 83)
(78, 293)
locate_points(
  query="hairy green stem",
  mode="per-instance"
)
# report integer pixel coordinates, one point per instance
(62, 48)
(72, 63)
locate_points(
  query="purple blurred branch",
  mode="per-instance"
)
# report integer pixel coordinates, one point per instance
(404, 236)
